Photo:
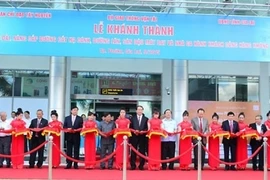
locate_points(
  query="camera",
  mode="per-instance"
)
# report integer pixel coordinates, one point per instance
(168, 91)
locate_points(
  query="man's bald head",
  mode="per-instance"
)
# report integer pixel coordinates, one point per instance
(3, 115)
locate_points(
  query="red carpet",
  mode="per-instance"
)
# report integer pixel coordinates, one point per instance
(81, 174)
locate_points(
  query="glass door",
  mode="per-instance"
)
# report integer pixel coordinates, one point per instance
(84, 105)
(149, 106)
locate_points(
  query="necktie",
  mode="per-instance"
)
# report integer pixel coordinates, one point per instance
(38, 122)
(73, 120)
(231, 126)
(139, 119)
(201, 129)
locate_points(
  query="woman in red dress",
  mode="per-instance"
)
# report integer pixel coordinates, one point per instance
(17, 145)
(90, 132)
(241, 150)
(214, 128)
(122, 129)
(154, 135)
(185, 141)
(54, 130)
(267, 124)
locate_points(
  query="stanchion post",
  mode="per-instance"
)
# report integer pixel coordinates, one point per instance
(199, 158)
(125, 158)
(265, 177)
(50, 158)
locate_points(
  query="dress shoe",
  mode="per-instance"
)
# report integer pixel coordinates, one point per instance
(141, 168)
(1, 165)
(68, 167)
(132, 168)
(76, 167)
(31, 167)
(8, 166)
(171, 168)
(233, 168)
(110, 168)
(254, 168)
(102, 167)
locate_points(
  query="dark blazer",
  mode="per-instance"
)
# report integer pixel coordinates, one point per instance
(254, 141)
(226, 127)
(43, 123)
(77, 125)
(134, 123)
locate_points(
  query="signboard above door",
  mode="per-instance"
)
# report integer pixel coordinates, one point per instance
(114, 91)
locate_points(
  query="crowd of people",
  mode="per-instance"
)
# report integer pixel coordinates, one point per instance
(153, 139)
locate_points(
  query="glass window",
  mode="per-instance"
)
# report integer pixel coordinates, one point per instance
(6, 81)
(125, 81)
(149, 84)
(31, 83)
(107, 83)
(83, 83)
(226, 88)
(253, 89)
(223, 88)
(202, 87)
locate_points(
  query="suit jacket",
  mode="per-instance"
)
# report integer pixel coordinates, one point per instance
(255, 141)
(226, 127)
(37, 135)
(134, 123)
(77, 125)
(196, 126)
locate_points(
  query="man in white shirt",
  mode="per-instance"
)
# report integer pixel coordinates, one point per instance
(13, 115)
(168, 143)
(5, 139)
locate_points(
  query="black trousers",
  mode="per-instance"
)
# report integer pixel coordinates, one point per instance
(195, 151)
(107, 149)
(73, 149)
(5, 143)
(230, 148)
(254, 148)
(138, 142)
(26, 144)
(35, 142)
(167, 151)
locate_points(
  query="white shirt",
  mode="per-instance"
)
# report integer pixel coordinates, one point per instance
(6, 125)
(170, 126)
(259, 128)
(27, 122)
(73, 118)
(10, 119)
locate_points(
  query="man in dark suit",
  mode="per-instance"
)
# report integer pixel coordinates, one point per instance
(231, 126)
(255, 143)
(37, 139)
(73, 139)
(138, 123)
